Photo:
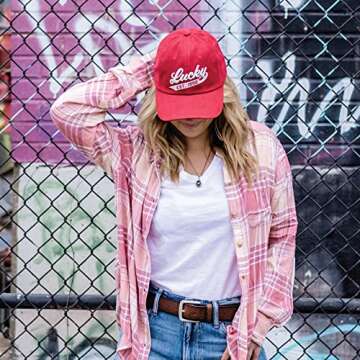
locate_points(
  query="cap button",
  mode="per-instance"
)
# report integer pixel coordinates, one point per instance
(187, 32)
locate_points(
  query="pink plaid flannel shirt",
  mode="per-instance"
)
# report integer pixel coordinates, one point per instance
(263, 217)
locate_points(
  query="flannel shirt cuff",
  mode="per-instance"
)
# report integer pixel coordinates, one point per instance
(142, 66)
(140, 71)
(263, 325)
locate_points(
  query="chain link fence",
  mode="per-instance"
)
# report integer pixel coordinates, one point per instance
(296, 64)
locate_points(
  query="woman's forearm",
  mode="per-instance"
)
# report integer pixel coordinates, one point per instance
(79, 112)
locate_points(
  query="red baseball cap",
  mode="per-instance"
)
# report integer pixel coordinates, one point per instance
(189, 75)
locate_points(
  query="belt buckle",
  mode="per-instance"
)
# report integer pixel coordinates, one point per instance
(181, 310)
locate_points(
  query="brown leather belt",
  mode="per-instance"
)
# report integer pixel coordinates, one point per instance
(190, 310)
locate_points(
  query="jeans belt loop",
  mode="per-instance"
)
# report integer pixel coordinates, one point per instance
(156, 301)
(215, 313)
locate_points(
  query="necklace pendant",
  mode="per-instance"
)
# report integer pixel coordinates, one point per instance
(198, 183)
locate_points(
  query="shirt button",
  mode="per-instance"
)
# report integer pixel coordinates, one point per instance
(243, 276)
(239, 243)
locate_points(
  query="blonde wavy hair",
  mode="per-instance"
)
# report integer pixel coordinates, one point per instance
(233, 126)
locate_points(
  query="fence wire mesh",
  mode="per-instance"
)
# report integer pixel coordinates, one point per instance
(296, 64)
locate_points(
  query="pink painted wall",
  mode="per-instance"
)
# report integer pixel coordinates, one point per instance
(58, 46)
(6, 162)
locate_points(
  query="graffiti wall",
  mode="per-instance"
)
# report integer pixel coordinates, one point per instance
(296, 66)
(6, 162)
(66, 220)
(65, 45)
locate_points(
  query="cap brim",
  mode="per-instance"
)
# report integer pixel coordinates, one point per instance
(206, 105)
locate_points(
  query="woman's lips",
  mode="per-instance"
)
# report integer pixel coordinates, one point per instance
(190, 125)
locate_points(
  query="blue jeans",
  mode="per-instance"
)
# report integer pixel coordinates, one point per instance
(174, 339)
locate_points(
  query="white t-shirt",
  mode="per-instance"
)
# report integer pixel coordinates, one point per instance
(191, 238)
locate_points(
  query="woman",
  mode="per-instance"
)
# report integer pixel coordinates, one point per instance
(205, 205)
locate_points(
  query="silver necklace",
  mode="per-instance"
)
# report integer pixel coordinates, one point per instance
(198, 181)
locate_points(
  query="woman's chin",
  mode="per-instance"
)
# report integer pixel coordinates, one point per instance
(190, 133)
